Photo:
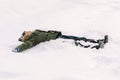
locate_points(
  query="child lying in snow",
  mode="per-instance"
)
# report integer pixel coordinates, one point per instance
(32, 38)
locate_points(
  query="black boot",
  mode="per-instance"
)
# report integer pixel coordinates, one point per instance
(101, 42)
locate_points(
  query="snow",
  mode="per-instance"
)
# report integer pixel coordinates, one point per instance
(60, 59)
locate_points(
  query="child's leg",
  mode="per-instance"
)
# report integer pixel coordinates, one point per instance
(100, 42)
(79, 38)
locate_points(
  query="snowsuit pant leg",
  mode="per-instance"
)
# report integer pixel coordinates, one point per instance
(78, 38)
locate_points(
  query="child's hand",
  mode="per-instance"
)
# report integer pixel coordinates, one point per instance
(16, 50)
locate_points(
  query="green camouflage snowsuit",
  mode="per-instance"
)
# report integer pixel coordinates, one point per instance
(37, 37)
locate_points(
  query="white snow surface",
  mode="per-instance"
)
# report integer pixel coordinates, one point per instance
(60, 59)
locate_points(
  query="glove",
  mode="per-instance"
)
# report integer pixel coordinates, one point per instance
(16, 50)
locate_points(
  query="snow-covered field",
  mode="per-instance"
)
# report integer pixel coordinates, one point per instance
(59, 59)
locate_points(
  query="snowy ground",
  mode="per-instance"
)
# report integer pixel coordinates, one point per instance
(56, 60)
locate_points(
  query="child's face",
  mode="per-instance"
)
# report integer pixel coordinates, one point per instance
(25, 36)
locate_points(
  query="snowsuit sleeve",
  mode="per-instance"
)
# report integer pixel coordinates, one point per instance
(26, 45)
